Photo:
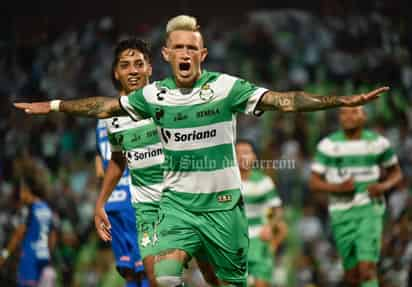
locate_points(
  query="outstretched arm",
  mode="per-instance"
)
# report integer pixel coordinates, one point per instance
(96, 107)
(305, 102)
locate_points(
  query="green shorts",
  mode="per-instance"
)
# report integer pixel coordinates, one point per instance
(358, 238)
(260, 260)
(222, 235)
(146, 220)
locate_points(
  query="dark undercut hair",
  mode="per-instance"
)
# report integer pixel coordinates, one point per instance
(129, 44)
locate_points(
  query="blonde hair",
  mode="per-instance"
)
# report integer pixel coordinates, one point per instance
(182, 22)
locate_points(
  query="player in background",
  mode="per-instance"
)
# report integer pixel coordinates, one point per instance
(267, 229)
(34, 234)
(195, 112)
(356, 167)
(116, 219)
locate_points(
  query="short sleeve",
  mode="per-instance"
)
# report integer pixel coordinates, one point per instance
(320, 160)
(135, 105)
(388, 157)
(115, 144)
(271, 195)
(244, 97)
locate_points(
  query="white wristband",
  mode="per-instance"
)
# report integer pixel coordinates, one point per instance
(5, 253)
(55, 105)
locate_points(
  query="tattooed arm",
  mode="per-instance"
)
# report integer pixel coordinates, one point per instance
(304, 102)
(99, 107)
(96, 107)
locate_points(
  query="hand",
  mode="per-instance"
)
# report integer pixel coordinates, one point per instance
(376, 190)
(357, 100)
(266, 233)
(102, 224)
(39, 108)
(347, 186)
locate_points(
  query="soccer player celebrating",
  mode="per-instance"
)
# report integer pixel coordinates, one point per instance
(348, 165)
(195, 110)
(115, 218)
(267, 229)
(34, 233)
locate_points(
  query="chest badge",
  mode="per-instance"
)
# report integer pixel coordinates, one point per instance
(206, 93)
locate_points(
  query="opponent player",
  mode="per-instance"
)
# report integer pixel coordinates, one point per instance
(201, 208)
(267, 230)
(34, 233)
(348, 165)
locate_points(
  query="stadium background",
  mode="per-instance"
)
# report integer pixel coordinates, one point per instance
(338, 47)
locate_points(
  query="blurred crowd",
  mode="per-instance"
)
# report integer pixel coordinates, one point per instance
(282, 50)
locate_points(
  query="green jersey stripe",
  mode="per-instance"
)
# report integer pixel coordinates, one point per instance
(136, 137)
(179, 117)
(147, 176)
(255, 221)
(199, 202)
(348, 161)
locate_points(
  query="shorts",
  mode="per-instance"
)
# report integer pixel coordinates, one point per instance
(260, 260)
(124, 239)
(221, 235)
(30, 269)
(147, 220)
(359, 239)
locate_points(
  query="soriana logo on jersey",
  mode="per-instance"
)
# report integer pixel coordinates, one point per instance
(183, 137)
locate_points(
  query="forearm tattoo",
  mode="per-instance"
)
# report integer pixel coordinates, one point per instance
(298, 101)
(92, 107)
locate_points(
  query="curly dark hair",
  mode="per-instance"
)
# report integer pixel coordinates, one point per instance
(130, 43)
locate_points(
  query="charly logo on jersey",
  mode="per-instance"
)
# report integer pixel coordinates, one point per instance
(161, 93)
(194, 135)
(159, 113)
(206, 93)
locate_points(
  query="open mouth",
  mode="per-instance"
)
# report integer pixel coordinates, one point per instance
(184, 66)
(133, 81)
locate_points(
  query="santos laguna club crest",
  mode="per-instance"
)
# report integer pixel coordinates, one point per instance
(206, 93)
(145, 241)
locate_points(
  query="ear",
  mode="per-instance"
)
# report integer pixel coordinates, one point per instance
(116, 75)
(150, 70)
(165, 54)
(203, 54)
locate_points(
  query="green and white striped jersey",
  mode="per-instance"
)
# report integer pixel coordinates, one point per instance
(259, 193)
(197, 127)
(141, 146)
(338, 158)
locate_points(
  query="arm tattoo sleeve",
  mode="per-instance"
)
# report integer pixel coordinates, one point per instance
(98, 107)
(297, 101)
